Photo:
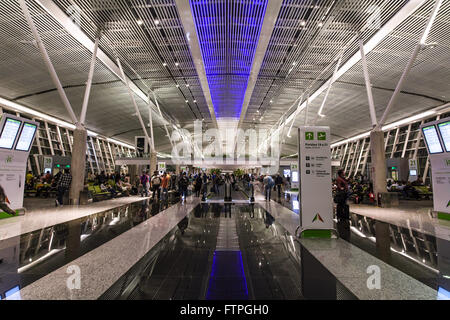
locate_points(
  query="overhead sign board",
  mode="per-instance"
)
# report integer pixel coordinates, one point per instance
(315, 178)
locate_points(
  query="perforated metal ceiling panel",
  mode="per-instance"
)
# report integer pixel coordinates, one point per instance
(148, 37)
(228, 33)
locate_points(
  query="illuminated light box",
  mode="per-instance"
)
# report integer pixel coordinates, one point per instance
(294, 176)
(444, 129)
(432, 140)
(26, 137)
(9, 133)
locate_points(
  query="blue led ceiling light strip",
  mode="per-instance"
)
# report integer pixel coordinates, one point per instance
(228, 34)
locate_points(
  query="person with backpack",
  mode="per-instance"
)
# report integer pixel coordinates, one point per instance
(278, 183)
(198, 185)
(342, 209)
(63, 185)
(268, 185)
(183, 185)
(156, 185)
(144, 182)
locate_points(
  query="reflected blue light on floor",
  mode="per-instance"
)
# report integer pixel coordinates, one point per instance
(443, 294)
(227, 279)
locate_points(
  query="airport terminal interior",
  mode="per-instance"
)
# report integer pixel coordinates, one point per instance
(222, 150)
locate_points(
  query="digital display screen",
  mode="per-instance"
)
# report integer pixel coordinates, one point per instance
(294, 176)
(413, 172)
(432, 140)
(444, 128)
(26, 137)
(286, 173)
(9, 133)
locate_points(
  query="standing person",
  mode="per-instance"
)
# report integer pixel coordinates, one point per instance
(156, 185)
(4, 203)
(278, 183)
(144, 182)
(63, 185)
(165, 179)
(342, 209)
(182, 185)
(268, 185)
(198, 185)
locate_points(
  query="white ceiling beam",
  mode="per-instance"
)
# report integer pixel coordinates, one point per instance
(407, 10)
(66, 22)
(270, 18)
(187, 20)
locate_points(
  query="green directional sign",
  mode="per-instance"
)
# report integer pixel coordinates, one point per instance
(309, 135)
(321, 136)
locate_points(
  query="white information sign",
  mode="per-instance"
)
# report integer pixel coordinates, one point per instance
(13, 163)
(161, 166)
(294, 176)
(316, 208)
(440, 164)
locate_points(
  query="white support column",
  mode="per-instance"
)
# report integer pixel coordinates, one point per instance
(36, 161)
(38, 141)
(329, 86)
(160, 113)
(405, 145)
(107, 157)
(366, 156)
(138, 113)
(150, 123)
(419, 137)
(112, 156)
(101, 154)
(348, 157)
(363, 143)
(47, 61)
(344, 154)
(410, 64)
(425, 172)
(89, 81)
(388, 135)
(373, 115)
(60, 140)
(49, 138)
(354, 158)
(95, 153)
(69, 140)
(394, 145)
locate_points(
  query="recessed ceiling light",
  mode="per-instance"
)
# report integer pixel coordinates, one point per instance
(177, 64)
(177, 85)
(186, 101)
(271, 101)
(156, 22)
(140, 22)
(164, 64)
(294, 63)
(187, 85)
(303, 23)
(257, 111)
(320, 24)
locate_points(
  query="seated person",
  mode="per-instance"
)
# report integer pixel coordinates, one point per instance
(108, 188)
(410, 192)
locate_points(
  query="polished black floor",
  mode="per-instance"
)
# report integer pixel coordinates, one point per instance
(30, 256)
(218, 252)
(422, 256)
